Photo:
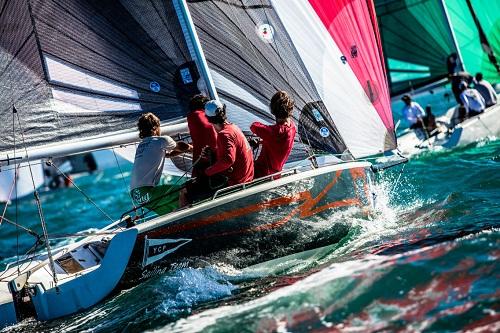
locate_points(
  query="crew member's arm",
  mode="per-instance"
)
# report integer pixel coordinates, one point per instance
(262, 131)
(465, 102)
(176, 148)
(226, 155)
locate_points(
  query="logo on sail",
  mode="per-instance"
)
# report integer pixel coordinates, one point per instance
(154, 86)
(157, 249)
(324, 132)
(265, 32)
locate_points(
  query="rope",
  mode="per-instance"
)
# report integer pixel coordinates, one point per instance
(39, 206)
(29, 231)
(50, 163)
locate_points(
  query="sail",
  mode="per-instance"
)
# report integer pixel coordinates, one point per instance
(417, 41)
(477, 28)
(79, 69)
(254, 48)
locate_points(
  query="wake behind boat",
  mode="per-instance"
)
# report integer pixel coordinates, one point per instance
(141, 59)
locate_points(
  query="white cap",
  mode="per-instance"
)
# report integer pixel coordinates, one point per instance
(211, 107)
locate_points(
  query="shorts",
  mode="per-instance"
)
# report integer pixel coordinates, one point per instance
(162, 199)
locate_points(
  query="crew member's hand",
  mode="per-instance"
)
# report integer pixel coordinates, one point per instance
(254, 142)
(183, 146)
(206, 152)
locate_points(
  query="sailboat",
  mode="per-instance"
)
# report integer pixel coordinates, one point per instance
(417, 53)
(86, 91)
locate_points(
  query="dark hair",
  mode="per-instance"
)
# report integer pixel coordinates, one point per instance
(220, 116)
(197, 102)
(148, 124)
(281, 105)
(479, 76)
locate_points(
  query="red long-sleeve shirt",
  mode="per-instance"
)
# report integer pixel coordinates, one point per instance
(277, 143)
(234, 156)
(202, 132)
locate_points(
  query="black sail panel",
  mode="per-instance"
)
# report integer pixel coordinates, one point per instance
(251, 56)
(79, 69)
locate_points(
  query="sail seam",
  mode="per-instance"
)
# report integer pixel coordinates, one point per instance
(37, 39)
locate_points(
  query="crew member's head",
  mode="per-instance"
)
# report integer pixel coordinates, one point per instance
(148, 125)
(406, 99)
(462, 86)
(281, 105)
(479, 77)
(215, 112)
(198, 102)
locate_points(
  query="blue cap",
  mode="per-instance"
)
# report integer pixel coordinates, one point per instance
(211, 108)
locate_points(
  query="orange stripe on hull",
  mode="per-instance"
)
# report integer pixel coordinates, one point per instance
(306, 209)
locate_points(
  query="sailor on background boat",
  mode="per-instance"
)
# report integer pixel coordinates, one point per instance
(472, 100)
(234, 158)
(486, 90)
(148, 165)
(277, 140)
(456, 79)
(413, 113)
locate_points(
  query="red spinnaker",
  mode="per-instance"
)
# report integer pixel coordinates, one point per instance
(353, 27)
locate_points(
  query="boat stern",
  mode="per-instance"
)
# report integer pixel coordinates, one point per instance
(8, 315)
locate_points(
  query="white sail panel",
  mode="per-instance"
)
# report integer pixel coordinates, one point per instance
(350, 108)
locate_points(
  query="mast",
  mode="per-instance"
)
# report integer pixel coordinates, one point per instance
(192, 39)
(453, 37)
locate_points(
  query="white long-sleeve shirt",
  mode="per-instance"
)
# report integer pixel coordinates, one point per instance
(472, 100)
(413, 112)
(487, 91)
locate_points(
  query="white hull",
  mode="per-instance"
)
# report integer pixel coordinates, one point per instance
(91, 269)
(485, 125)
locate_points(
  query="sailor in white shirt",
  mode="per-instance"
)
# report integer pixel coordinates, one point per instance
(145, 186)
(472, 100)
(486, 90)
(413, 112)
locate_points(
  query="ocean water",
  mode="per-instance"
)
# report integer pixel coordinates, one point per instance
(427, 261)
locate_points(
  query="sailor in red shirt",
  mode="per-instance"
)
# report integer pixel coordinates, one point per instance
(277, 139)
(234, 155)
(201, 131)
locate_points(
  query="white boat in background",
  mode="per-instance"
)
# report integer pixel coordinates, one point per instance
(450, 133)
(149, 56)
(38, 175)
(19, 181)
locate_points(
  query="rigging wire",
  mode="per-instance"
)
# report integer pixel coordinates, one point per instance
(123, 177)
(29, 231)
(15, 186)
(38, 203)
(50, 163)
